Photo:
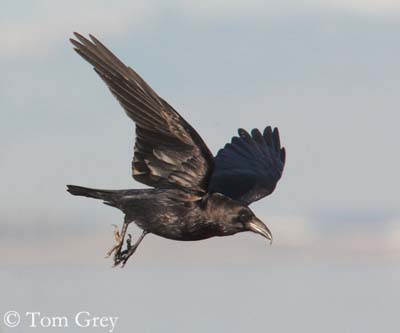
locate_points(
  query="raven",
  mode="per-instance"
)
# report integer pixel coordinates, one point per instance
(193, 195)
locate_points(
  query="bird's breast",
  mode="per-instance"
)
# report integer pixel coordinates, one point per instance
(184, 227)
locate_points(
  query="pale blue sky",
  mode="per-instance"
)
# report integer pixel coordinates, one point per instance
(326, 73)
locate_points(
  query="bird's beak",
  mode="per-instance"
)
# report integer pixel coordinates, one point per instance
(259, 227)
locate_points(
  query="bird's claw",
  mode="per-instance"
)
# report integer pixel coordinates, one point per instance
(117, 234)
(119, 241)
(122, 256)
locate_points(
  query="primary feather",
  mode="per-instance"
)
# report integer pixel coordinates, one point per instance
(248, 168)
(168, 152)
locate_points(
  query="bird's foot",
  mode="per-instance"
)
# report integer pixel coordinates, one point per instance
(123, 256)
(119, 242)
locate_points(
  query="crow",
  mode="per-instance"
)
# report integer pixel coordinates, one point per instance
(193, 195)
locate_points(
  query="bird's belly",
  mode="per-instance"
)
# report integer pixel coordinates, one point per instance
(184, 236)
(183, 230)
(171, 218)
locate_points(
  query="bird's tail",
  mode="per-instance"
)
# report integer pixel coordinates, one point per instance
(109, 197)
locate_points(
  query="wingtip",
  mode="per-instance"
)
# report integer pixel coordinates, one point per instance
(276, 139)
(94, 39)
(268, 135)
(257, 136)
(82, 39)
(77, 34)
(283, 155)
(75, 43)
(243, 133)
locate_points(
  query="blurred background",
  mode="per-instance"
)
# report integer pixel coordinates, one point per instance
(325, 72)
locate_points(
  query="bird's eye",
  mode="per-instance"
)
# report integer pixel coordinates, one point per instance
(244, 216)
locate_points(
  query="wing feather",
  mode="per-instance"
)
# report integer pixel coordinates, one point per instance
(248, 168)
(168, 152)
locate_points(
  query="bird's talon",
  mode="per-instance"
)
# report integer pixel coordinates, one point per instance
(117, 234)
(129, 241)
(119, 242)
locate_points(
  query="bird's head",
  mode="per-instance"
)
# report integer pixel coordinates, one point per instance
(233, 216)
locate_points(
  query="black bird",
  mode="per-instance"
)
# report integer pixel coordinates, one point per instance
(194, 195)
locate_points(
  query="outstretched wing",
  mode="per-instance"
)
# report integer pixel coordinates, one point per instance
(168, 152)
(248, 168)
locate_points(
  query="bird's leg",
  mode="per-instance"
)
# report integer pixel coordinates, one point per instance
(129, 242)
(119, 238)
(118, 258)
(125, 255)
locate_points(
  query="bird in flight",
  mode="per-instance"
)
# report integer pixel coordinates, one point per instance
(193, 195)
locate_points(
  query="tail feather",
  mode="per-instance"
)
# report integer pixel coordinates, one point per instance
(108, 196)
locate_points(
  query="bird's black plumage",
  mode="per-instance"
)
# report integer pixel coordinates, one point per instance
(248, 168)
(194, 195)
